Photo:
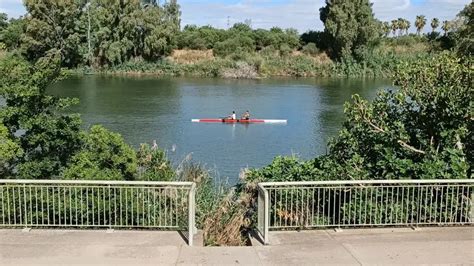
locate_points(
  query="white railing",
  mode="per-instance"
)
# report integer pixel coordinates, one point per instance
(98, 204)
(364, 203)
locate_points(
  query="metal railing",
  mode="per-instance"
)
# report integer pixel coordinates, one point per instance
(98, 204)
(364, 203)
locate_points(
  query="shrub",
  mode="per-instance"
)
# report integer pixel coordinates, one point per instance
(310, 49)
(104, 156)
(153, 164)
(240, 70)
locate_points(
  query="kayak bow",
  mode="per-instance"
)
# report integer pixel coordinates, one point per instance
(243, 121)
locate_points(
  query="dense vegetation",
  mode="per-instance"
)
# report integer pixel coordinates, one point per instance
(145, 37)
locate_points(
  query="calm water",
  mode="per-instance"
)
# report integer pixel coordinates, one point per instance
(147, 109)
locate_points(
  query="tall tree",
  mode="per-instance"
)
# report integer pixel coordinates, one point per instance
(434, 24)
(54, 25)
(464, 35)
(446, 26)
(36, 121)
(395, 26)
(350, 25)
(401, 26)
(407, 26)
(11, 36)
(420, 23)
(3, 21)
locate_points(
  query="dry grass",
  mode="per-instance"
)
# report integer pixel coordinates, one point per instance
(402, 49)
(320, 58)
(191, 56)
(224, 227)
(241, 70)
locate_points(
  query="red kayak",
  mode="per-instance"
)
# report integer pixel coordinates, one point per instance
(231, 121)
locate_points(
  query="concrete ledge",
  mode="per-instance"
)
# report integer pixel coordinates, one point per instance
(440, 245)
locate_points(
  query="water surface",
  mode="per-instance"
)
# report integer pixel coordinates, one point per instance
(161, 109)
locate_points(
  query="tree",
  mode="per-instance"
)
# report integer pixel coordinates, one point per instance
(420, 23)
(3, 21)
(434, 24)
(11, 36)
(123, 30)
(401, 26)
(54, 25)
(407, 26)
(464, 35)
(104, 155)
(350, 25)
(421, 131)
(395, 26)
(446, 26)
(47, 136)
(10, 151)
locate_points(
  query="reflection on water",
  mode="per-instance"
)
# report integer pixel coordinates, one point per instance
(144, 109)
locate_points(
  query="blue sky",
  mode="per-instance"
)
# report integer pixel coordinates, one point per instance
(300, 14)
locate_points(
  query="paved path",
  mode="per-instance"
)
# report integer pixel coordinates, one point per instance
(355, 246)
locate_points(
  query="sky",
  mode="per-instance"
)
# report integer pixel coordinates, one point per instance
(302, 15)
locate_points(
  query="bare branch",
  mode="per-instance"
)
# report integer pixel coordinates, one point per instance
(405, 145)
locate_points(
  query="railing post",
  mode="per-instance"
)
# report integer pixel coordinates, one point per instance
(471, 207)
(191, 214)
(266, 226)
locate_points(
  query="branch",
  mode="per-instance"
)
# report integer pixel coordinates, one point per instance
(404, 144)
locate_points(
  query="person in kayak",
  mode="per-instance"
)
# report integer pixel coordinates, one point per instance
(233, 116)
(246, 115)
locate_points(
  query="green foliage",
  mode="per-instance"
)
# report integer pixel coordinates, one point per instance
(420, 23)
(465, 33)
(9, 151)
(11, 35)
(310, 49)
(238, 45)
(33, 119)
(53, 26)
(153, 165)
(104, 155)
(123, 31)
(350, 26)
(3, 21)
(434, 24)
(421, 131)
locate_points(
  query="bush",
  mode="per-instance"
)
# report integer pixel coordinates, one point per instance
(153, 164)
(240, 70)
(237, 45)
(310, 49)
(104, 156)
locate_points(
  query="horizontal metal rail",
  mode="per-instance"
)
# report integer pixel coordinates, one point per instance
(97, 204)
(364, 203)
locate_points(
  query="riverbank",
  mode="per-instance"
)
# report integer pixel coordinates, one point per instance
(380, 63)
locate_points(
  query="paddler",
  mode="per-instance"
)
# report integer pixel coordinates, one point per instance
(246, 115)
(233, 116)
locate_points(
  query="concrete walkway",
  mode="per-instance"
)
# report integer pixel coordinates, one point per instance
(355, 246)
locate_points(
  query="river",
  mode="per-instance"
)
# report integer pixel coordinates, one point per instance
(144, 109)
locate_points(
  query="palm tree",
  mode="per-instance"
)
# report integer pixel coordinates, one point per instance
(401, 26)
(434, 24)
(446, 26)
(407, 26)
(394, 26)
(420, 23)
